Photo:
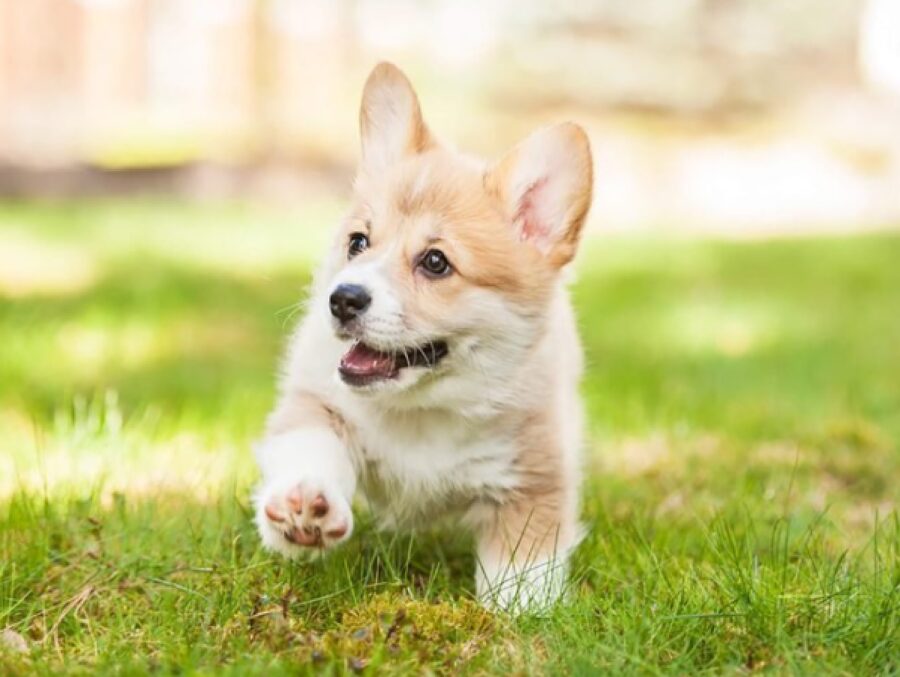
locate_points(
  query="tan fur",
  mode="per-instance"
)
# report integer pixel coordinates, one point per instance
(386, 77)
(299, 409)
(433, 199)
(540, 517)
(508, 427)
(497, 182)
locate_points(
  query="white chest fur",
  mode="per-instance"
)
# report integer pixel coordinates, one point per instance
(417, 464)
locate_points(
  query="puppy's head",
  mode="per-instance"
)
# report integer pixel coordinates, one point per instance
(442, 273)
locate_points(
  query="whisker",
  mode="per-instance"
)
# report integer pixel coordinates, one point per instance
(289, 312)
(421, 350)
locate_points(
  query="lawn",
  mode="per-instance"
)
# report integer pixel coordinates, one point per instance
(743, 462)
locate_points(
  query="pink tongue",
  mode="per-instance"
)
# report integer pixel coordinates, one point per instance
(362, 360)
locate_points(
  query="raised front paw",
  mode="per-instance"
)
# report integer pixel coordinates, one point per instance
(304, 517)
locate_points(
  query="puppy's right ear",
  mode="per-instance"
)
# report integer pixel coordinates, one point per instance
(390, 119)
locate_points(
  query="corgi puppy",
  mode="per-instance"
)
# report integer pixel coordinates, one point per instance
(437, 367)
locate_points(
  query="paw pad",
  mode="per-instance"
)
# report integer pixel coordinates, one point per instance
(308, 515)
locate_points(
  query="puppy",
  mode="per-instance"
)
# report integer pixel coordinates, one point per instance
(438, 364)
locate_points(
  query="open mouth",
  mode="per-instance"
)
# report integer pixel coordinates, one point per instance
(363, 365)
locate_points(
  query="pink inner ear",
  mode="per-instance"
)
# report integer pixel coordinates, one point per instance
(532, 224)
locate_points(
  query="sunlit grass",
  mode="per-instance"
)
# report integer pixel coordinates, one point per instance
(742, 465)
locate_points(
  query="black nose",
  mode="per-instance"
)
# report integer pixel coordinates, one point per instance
(348, 301)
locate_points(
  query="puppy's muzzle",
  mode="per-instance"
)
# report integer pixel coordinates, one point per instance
(349, 301)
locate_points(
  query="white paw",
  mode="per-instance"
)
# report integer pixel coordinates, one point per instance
(302, 517)
(528, 588)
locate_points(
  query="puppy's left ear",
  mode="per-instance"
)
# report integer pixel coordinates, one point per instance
(545, 185)
(390, 119)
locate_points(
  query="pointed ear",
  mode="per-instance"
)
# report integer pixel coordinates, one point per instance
(390, 119)
(545, 185)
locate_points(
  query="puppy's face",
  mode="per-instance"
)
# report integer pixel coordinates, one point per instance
(443, 269)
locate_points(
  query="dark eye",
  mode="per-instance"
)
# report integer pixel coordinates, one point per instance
(435, 264)
(358, 244)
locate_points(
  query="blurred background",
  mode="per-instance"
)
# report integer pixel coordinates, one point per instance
(733, 116)
(170, 169)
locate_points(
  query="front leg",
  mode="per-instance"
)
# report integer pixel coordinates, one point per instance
(523, 552)
(308, 481)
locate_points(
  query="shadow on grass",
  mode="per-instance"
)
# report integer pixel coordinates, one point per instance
(180, 338)
(758, 380)
(763, 340)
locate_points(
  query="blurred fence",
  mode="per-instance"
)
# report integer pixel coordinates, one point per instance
(701, 111)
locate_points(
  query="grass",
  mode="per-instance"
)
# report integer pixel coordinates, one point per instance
(743, 464)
